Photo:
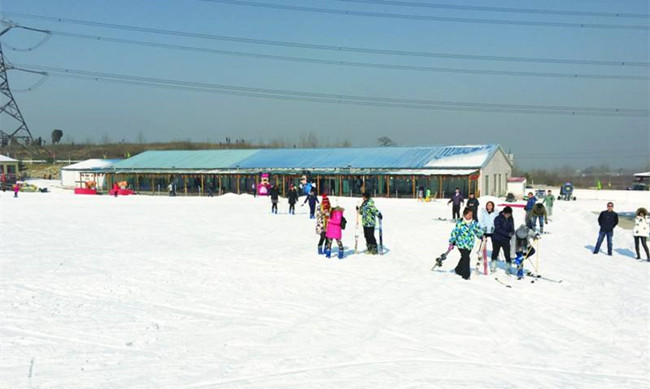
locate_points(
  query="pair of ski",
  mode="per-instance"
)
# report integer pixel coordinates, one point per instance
(531, 275)
(540, 277)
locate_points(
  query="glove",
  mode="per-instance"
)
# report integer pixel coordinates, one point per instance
(357, 207)
(537, 236)
(380, 216)
(546, 222)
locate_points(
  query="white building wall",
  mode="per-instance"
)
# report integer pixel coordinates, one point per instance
(494, 176)
(517, 188)
(71, 179)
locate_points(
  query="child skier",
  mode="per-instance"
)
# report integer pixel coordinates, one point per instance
(463, 236)
(334, 231)
(322, 218)
(313, 200)
(524, 247)
(293, 198)
(369, 213)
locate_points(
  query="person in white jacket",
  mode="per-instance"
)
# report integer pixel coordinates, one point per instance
(641, 231)
(486, 221)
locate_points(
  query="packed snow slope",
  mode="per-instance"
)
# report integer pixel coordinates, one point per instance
(159, 292)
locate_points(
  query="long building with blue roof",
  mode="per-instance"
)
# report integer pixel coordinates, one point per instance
(384, 171)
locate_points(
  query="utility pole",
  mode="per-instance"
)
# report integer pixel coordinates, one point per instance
(18, 133)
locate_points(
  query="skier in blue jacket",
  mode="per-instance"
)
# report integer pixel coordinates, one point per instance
(529, 209)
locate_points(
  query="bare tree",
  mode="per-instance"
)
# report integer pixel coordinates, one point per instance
(309, 140)
(385, 141)
(56, 136)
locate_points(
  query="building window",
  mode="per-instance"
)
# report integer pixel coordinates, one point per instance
(499, 194)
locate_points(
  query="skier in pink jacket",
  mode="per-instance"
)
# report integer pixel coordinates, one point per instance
(335, 225)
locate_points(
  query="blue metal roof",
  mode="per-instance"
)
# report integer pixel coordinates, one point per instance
(185, 159)
(312, 159)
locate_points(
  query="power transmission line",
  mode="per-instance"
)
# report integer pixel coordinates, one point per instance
(498, 9)
(336, 98)
(588, 153)
(347, 63)
(427, 17)
(360, 50)
(593, 156)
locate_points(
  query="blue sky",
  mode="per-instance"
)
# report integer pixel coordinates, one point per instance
(87, 110)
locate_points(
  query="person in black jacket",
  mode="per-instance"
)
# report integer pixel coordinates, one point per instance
(293, 198)
(472, 203)
(504, 229)
(312, 199)
(274, 194)
(607, 220)
(457, 200)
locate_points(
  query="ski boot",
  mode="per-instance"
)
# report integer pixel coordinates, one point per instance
(493, 266)
(320, 250)
(328, 253)
(341, 254)
(508, 268)
(519, 262)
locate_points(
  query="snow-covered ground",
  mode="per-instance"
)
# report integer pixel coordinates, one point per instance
(158, 292)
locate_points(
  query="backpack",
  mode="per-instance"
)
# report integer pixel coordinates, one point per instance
(344, 222)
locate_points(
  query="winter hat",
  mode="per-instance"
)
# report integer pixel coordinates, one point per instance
(507, 210)
(366, 195)
(326, 201)
(522, 232)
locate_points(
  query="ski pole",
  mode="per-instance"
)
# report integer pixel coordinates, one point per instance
(537, 256)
